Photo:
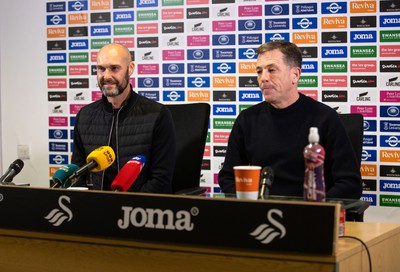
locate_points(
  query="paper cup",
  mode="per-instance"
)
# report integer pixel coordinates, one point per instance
(247, 181)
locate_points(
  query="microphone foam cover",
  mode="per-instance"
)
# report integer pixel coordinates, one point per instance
(61, 175)
(104, 156)
(17, 165)
(128, 174)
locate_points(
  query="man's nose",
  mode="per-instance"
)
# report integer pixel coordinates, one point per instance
(264, 76)
(107, 73)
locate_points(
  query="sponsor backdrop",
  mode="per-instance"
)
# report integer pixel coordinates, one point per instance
(204, 51)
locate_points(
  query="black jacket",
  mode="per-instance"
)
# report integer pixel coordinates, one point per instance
(140, 127)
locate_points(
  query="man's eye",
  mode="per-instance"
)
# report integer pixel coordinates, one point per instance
(100, 69)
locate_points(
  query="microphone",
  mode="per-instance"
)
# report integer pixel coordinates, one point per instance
(12, 171)
(98, 160)
(62, 174)
(267, 177)
(128, 174)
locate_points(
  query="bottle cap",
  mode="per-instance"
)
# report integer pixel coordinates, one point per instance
(313, 136)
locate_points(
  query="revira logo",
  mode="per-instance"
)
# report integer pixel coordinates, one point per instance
(58, 216)
(266, 233)
(157, 219)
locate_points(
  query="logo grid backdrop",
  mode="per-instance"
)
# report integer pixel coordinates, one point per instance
(203, 51)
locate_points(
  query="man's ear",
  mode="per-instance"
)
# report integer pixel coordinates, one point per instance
(296, 73)
(131, 67)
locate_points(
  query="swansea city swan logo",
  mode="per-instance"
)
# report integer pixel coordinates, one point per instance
(266, 233)
(58, 216)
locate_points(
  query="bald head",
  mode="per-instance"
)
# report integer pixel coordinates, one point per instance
(115, 51)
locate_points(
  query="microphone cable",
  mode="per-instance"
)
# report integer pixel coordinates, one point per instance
(364, 245)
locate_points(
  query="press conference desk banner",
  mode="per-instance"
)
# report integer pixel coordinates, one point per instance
(268, 225)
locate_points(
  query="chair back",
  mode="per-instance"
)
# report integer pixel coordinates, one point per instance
(191, 125)
(354, 125)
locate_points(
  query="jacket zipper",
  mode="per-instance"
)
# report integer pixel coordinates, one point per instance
(114, 119)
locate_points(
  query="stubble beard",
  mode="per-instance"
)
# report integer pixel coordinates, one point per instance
(114, 91)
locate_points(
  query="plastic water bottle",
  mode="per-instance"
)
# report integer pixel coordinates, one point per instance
(314, 155)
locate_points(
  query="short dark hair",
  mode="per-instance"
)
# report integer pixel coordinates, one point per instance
(290, 51)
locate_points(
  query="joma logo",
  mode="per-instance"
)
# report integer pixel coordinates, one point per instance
(157, 218)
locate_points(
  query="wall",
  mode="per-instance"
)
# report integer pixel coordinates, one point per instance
(25, 109)
(23, 88)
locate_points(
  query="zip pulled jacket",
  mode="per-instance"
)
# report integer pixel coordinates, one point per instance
(140, 127)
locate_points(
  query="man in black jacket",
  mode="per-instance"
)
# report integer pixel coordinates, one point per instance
(127, 122)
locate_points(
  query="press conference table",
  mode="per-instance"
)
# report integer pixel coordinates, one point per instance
(36, 251)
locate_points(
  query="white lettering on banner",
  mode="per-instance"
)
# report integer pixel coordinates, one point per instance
(367, 198)
(78, 44)
(251, 96)
(123, 16)
(391, 186)
(363, 37)
(157, 219)
(55, 58)
(224, 109)
(334, 52)
(146, 2)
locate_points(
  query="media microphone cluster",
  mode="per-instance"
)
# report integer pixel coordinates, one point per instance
(98, 160)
